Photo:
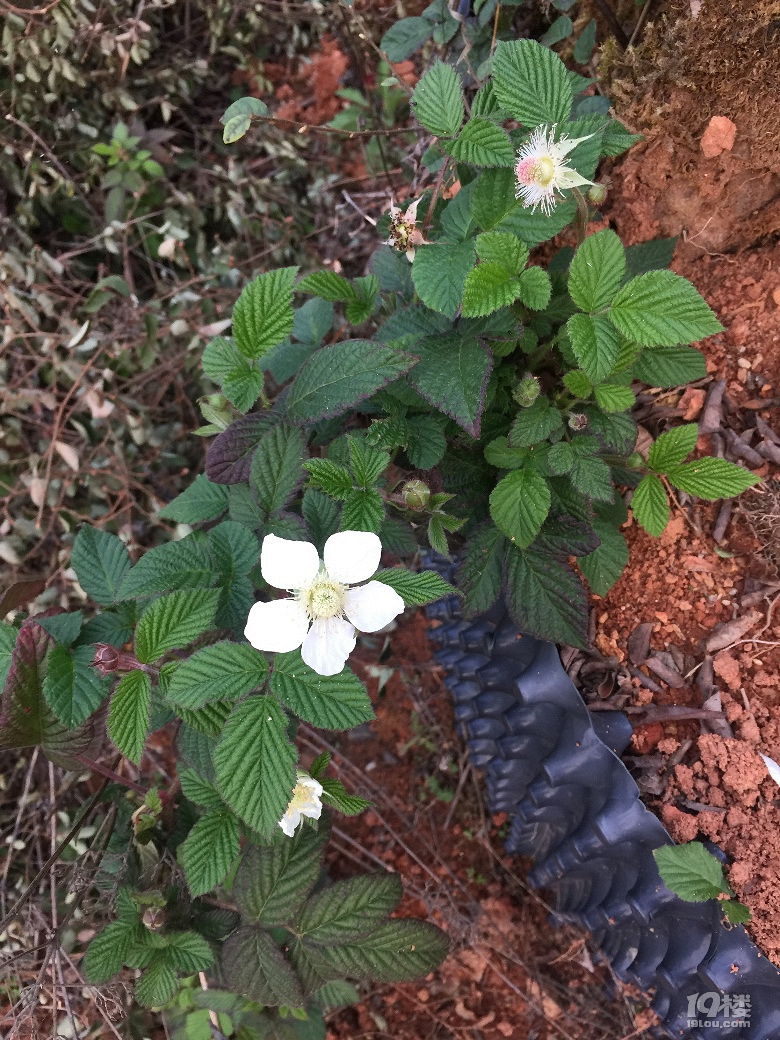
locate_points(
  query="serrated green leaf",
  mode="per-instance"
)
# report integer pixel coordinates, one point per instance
(174, 621)
(416, 589)
(736, 912)
(597, 270)
(64, 627)
(488, 287)
(364, 510)
(535, 424)
(339, 376)
(481, 143)
(101, 562)
(272, 882)
(673, 446)
(690, 871)
(531, 83)
(107, 952)
(209, 719)
(128, 715)
(545, 597)
(500, 247)
(351, 908)
(328, 286)
(255, 763)
(452, 375)
(586, 41)
(670, 366)
(335, 794)
(361, 308)
(202, 500)
(496, 208)
(72, 687)
(173, 565)
(661, 308)
(336, 994)
(404, 37)
(253, 965)
(209, 851)
(519, 505)
(263, 314)
(593, 479)
(650, 505)
(198, 790)
(560, 458)
(596, 345)
(321, 515)
(7, 641)
(240, 381)
(604, 565)
(368, 464)
(427, 441)
(559, 30)
(328, 701)
(577, 383)
(398, 951)
(331, 477)
(439, 273)
(535, 288)
(276, 468)
(189, 952)
(647, 256)
(224, 671)
(437, 100)
(158, 983)
(711, 478)
(612, 397)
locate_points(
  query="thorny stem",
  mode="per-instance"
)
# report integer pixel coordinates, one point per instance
(304, 128)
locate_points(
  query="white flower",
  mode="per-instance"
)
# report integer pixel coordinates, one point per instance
(324, 612)
(541, 170)
(404, 235)
(306, 801)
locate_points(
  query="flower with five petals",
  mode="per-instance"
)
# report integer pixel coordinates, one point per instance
(323, 613)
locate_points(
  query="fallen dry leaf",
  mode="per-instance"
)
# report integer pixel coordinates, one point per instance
(68, 455)
(731, 631)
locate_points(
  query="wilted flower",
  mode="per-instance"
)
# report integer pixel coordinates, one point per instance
(404, 235)
(541, 170)
(306, 801)
(324, 612)
(578, 421)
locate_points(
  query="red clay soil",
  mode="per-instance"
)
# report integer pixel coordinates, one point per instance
(510, 975)
(686, 585)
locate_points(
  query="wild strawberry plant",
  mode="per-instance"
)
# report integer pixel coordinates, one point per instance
(458, 396)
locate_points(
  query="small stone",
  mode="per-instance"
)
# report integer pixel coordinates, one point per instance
(718, 137)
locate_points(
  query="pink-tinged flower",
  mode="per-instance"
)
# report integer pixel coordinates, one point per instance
(323, 613)
(306, 801)
(404, 235)
(541, 170)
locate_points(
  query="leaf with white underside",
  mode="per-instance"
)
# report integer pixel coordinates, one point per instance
(328, 701)
(255, 763)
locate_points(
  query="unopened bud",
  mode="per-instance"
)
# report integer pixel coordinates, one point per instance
(154, 918)
(635, 460)
(578, 421)
(597, 193)
(526, 391)
(416, 494)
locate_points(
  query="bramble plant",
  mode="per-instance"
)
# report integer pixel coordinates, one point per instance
(485, 402)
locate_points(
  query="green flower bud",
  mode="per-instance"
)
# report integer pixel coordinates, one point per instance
(154, 918)
(526, 391)
(635, 460)
(597, 193)
(416, 494)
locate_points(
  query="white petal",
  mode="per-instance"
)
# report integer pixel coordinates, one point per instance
(290, 821)
(328, 645)
(569, 178)
(280, 625)
(567, 144)
(286, 564)
(773, 767)
(352, 556)
(371, 607)
(314, 786)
